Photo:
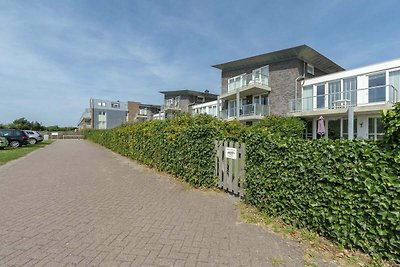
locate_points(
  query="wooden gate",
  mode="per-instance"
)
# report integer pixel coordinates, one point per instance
(229, 166)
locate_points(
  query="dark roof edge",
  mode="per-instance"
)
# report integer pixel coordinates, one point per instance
(279, 56)
(187, 91)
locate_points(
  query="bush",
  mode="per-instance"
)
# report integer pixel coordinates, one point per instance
(391, 123)
(182, 146)
(345, 190)
(281, 126)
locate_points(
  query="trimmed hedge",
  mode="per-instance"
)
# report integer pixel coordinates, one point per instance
(183, 146)
(345, 190)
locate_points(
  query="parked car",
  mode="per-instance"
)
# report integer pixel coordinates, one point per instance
(15, 138)
(3, 142)
(34, 137)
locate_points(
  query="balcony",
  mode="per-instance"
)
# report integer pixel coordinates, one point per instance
(246, 84)
(247, 112)
(171, 105)
(366, 99)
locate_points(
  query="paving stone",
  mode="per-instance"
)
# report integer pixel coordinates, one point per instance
(78, 204)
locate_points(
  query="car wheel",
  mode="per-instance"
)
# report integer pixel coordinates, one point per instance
(15, 144)
(32, 141)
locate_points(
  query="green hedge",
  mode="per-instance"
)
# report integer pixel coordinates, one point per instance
(345, 190)
(183, 146)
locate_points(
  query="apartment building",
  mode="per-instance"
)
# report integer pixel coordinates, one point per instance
(179, 101)
(138, 112)
(107, 114)
(209, 108)
(261, 85)
(349, 101)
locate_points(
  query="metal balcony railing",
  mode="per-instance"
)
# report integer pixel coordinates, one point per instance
(244, 80)
(245, 111)
(344, 99)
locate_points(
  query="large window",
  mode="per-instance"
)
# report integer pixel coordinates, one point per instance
(377, 88)
(261, 75)
(236, 82)
(375, 129)
(394, 81)
(308, 98)
(321, 96)
(334, 128)
(260, 99)
(334, 95)
(232, 108)
(345, 128)
(350, 90)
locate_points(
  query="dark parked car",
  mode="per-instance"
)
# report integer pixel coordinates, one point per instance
(15, 138)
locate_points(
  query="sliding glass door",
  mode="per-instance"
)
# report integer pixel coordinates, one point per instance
(334, 94)
(350, 90)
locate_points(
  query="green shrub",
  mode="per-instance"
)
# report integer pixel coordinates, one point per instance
(391, 123)
(182, 146)
(281, 126)
(348, 191)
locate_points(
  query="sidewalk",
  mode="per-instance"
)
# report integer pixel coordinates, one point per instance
(75, 203)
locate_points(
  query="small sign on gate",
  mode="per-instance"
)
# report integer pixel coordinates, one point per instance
(230, 153)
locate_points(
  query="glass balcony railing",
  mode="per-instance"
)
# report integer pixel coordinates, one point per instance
(245, 80)
(245, 111)
(344, 99)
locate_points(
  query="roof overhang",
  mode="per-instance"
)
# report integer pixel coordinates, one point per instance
(188, 92)
(302, 52)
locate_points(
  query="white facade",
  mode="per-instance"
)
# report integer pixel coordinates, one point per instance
(368, 90)
(209, 108)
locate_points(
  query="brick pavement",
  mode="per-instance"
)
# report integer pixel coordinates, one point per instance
(75, 203)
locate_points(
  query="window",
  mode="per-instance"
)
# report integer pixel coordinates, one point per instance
(260, 99)
(143, 111)
(261, 75)
(394, 81)
(232, 108)
(377, 88)
(99, 103)
(310, 69)
(307, 97)
(345, 128)
(236, 82)
(375, 129)
(115, 105)
(102, 120)
(334, 128)
(350, 90)
(334, 95)
(321, 96)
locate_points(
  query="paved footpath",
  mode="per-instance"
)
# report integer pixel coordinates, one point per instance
(75, 203)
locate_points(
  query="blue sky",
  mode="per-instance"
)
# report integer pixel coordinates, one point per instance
(56, 55)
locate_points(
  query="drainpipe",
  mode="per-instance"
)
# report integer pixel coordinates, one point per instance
(299, 78)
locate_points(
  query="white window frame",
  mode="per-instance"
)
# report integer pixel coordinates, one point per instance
(310, 69)
(242, 82)
(375, 131)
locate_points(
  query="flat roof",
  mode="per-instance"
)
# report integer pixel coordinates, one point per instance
(303, 52)
(188, 92)
(364, 70)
